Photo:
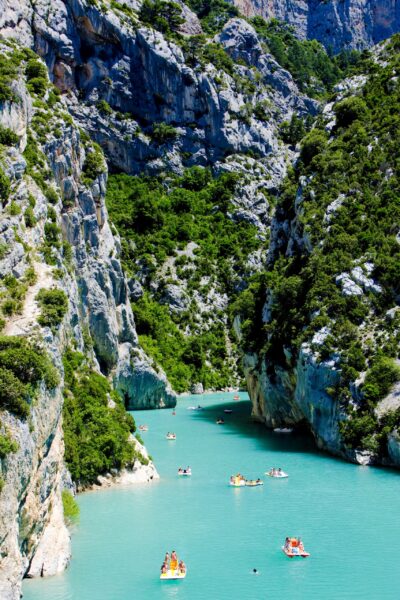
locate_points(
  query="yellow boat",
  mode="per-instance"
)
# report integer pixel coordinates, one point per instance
(173, 574)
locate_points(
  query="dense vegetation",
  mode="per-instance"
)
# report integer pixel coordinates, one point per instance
(96, 432)
(157, 220)
(23, 365)
(349, 218)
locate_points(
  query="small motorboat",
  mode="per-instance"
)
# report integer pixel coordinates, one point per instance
(185, 472)
(220, 422)
(195, 407)
(294, 548)
(236, 397)
(143, 428)
(228, 411)
(171, 436)
(173, 574)
(253, 482)
(283, 430)
(277, 474)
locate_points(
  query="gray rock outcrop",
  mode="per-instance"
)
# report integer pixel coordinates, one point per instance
(337, 24)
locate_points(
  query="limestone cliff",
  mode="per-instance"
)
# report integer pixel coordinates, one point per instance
(337, 24)
(55, 235)
(326, 334)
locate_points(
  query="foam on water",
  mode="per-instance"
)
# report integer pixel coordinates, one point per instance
(347, 516)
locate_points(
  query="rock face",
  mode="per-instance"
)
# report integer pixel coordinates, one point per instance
(81, 258)
(337, 24)
(96, 55)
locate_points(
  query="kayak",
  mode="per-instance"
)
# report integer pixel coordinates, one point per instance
(143, 428)
(254, 483)
(283, 430)
(228, 411)
(283, 475)
(295, 554)
(173, 575)
(220, 422)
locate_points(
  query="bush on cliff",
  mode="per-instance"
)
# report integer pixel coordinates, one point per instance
(7, 445)
(54, 305)
(96, 431)
(22, 367)
(70, 507)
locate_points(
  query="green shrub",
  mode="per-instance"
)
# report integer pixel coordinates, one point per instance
(7, 446)
(14, 209)
(35, 69)
(380, 378)
(38, 86)
(51, 195)
(8, 137)
(313, 144)
(70, 506)
(29, 216)
(54, 305)
(104, 108)
(216, 54)
(5, 185)
(161, 15)
(213, 14)
(292, 131)
(94, 164)
(162, 133)
(348, 110)
(22, 367)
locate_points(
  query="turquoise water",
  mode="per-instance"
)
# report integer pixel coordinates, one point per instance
(347, 516)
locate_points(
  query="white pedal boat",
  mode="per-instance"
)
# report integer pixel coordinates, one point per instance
(283, 430)
(171, 436)
(282, 475)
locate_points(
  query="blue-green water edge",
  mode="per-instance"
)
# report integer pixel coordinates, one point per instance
(347, 516)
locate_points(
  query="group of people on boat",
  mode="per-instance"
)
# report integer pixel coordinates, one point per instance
(294, 546)
(239, 480)
(172, 563)
(187, 471)
(171, 436)
(276, 472)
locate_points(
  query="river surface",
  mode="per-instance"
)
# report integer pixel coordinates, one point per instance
(348, 517)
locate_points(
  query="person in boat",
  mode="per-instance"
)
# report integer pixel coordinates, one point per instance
(166, 560)
(180, 471)
(301, 546)
(164, 568)
(258, 480)
(287, 544)
(279, 472)
(173, 565)
(182, 567)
